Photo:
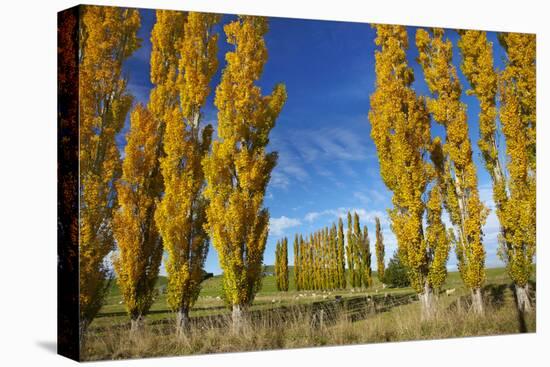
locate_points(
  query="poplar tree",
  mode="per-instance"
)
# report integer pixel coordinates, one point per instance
(183, 61)
(239, 168)
(326, 258)
(400, 129)
(517, 86)
(358, 251)
(341, 255)
(297, 267)
(317, 258)
(466, 211)
(108, 37)
(380, 252)
(350, 253)
(302, 260)
(139, 244)
(437, 236)
(518, 120)
(285, 264)
(278, 266)
(313, 261)
(281, 265)
(305, 268)
(334, 260)
(366, 258)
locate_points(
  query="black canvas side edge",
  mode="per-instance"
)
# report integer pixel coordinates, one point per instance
(68, 341)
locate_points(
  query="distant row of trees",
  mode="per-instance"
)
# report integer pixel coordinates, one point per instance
(401, 129)
(175, 190)
(320, 259)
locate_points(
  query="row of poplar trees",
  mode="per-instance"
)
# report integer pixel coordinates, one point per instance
(422, 188)
(320, 259)
(175, 189)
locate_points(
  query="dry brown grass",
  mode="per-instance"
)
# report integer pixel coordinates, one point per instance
(301, 328)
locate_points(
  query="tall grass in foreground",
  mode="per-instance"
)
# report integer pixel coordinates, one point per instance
(300, 328)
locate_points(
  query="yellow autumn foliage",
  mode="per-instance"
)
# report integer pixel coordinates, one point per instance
(108, 37)
(380, 252)
(517, 85)
(239, 168)
(182, 64)
(467, 212)
(139, 244)
(400, 129)
(514, 183)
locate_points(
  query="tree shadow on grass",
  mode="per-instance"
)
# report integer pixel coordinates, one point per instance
(495, 293)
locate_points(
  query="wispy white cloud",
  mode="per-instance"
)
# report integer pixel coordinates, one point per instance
(279, 179)
(369, 196)
(278, 226)
(365, 216)
(362, 197)
(326, 152)
(289, 166)
(312, 216)
(332, 143)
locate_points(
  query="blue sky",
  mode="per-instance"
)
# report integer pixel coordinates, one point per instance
(327, 160)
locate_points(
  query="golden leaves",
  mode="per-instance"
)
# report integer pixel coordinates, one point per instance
(380, 251)
(281, 264)
(139, 245)
(108, 37)
(517, 86)
(198, 61)
(457, 176)
(183, 61)
(238, 169)
(400, 128)
(515, 195)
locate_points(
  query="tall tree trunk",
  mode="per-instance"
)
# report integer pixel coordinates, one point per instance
(522, 296)
(136, 326)
(477, 301)
(183, 323)
(427, 302)
(82, 328)
(238, 318)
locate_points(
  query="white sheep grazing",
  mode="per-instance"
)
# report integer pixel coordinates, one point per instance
(448, 292)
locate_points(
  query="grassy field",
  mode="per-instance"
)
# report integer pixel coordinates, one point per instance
(210, 302)
(289, 320)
